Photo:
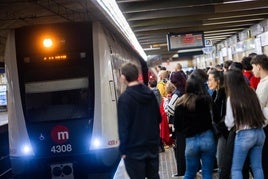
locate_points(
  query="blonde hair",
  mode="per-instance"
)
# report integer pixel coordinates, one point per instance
(170, 87)
(178, 66)
(163, 74)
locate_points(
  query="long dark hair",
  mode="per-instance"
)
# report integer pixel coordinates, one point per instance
(194, 90)
(218, 76)
(244, 101)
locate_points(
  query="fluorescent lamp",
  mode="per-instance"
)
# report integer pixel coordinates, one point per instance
(112, 9)
(151, 48)
(237, 1)
(175, 55)
(190, 50)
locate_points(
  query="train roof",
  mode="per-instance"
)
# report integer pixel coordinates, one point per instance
(150, 20)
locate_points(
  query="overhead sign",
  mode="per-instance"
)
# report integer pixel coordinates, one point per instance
(178, 41)
(264, 39)
(208, 43)
(208, 50)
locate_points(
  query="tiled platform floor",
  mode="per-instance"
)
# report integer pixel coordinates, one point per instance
(167, 167)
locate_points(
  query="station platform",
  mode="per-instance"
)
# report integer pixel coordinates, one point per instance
(167, 167)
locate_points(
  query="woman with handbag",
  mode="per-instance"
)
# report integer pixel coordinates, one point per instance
(215, 83)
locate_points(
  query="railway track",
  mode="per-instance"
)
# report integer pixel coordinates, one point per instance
(5, 169)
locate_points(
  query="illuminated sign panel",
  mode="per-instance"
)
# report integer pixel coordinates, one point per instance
(55, 58)
(178, 41)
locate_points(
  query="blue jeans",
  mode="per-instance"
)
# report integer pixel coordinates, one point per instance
(201, 146)
(248, 142)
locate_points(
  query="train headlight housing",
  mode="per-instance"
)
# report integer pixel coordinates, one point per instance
(47, 42)
(96, 143)
(27, 149)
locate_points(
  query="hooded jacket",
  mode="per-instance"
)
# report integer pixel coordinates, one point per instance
(138, 122)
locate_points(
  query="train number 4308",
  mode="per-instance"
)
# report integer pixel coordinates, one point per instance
(61, 148)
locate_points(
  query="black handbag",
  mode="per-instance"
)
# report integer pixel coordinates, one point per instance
(214, 128)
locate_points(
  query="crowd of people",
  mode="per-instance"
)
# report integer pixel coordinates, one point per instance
(213, 119)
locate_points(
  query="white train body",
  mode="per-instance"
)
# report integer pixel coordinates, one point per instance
(62, 103)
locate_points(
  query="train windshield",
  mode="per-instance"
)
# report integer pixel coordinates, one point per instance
(57, 99)
(56, 74)
(57, 90)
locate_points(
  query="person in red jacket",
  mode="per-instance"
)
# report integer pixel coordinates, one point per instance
(164, 129)
(247, 72)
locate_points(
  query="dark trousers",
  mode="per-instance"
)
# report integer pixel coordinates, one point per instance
(161, 145)
(225, 173)
(141, 168)
(180, 153)
(265, 154)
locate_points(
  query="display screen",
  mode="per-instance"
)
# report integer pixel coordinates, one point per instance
(178, 41)
(55, 58)
(48, 43)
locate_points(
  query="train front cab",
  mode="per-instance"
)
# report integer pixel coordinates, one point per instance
(56, 108)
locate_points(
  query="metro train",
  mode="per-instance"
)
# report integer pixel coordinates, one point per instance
(63, 86)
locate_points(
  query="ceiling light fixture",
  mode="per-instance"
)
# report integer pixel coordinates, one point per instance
(112, 9)
(151, 48)
(237, 1)
(190, 50)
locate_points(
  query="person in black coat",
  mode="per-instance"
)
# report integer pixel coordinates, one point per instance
(193, 118)
(138, 126)
(215, 83)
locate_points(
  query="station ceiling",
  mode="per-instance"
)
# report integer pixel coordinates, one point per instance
(150, 20)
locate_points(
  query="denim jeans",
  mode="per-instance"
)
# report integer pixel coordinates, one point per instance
(248, 142)
(201, 146)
